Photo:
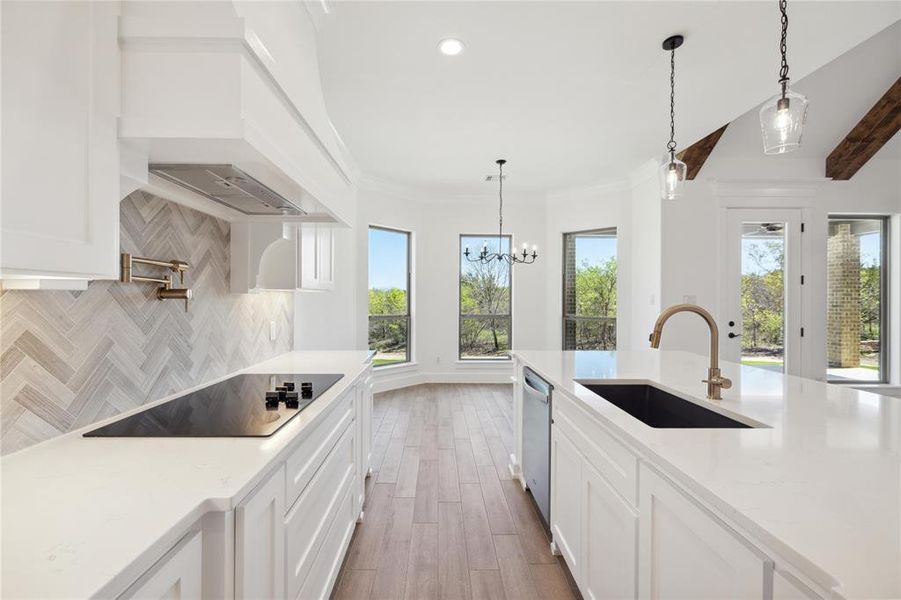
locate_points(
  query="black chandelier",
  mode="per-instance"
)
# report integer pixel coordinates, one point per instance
(485, 257)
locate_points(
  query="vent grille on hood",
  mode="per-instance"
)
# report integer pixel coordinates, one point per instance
(230, 186)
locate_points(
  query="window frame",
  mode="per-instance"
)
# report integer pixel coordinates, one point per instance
(461, 316)
(885, 284)
(575, 318)
(409, 283)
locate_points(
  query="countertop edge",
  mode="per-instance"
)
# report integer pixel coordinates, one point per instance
(731, 516)
(158, 547)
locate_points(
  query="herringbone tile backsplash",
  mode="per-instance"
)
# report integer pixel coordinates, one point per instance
(68, 359)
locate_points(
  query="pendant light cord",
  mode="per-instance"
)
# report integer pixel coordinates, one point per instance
(671, 145)
(783, 46)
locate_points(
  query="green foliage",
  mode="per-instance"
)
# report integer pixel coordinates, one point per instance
(870, 299)
(391, 301)
(596, 289)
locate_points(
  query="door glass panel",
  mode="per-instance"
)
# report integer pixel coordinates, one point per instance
(763, 295)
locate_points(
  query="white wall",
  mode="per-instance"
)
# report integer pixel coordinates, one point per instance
(692, 240)
(436, 224)
(582, 209)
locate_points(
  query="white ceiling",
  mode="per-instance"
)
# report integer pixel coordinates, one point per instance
(569, 92)
(840, 94)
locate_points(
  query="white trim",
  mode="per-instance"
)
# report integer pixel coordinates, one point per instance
(410, 378)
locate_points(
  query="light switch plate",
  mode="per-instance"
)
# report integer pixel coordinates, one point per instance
(273, 331)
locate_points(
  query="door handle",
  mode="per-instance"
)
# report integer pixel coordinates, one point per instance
(734, 335)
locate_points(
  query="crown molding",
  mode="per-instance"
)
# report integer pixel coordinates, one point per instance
(429, 195)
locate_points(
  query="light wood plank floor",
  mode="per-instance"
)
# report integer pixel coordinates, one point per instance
(443, 518)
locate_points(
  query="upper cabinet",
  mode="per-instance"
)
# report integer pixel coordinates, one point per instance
(61, 180)
(282, 257)
(94, 93)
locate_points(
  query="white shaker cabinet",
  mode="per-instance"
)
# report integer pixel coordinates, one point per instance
(176, 576)
(61, 176)
(260, 540)
(566, 474)
(315, 259)
(686, 552)
(594, 527)
(609, 543)
(277, 256)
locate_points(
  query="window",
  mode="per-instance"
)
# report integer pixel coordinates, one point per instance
(856, 302)
(589, 290)
(486, 321)
(389, 295)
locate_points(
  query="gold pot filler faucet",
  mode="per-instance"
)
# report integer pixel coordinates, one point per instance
(166, 291)
(715, 381)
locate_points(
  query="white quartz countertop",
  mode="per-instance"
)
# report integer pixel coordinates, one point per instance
(81, 517)
(820, 485)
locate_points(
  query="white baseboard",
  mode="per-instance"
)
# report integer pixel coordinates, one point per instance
(387, 381)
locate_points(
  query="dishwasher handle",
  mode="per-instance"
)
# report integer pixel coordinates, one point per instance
(537, 384)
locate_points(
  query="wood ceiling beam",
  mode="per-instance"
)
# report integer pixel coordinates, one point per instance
(696, 155)
(873, 131)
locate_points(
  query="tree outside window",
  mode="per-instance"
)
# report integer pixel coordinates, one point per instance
(389, 296)
(485, 302)
(589, 290)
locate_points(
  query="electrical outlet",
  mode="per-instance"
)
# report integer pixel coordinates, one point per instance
(273, 331)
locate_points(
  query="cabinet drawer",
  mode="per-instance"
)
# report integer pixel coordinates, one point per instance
(308, 521)
(322, 576)
(611, 458)
(315, 446)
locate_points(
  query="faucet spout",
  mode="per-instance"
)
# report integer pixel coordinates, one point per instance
(715, 381)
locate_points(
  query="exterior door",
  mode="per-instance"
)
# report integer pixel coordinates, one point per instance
(760, 322)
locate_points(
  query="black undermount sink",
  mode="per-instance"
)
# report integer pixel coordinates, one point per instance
(660, 409)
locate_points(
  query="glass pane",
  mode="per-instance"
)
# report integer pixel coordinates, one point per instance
(763, 295)
(388, 295)
(484, 288)
(388, 272)
(591, 334)
(388, 337)
(590, 290)
(482, 337)
(854, 299)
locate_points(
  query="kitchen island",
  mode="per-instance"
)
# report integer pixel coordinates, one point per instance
(806, 502)
(104, 517)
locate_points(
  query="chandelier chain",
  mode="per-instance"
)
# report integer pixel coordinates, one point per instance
(500, 210)
(671, 145)
(783, 45)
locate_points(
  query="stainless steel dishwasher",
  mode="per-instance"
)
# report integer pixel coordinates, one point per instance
(536, 440)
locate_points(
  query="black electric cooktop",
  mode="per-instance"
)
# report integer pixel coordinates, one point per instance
(235, 407)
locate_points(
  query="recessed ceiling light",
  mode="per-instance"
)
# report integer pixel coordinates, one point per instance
(450, 46)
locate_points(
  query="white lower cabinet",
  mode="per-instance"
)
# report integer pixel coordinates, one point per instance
(626, 532)
(686, 552)
(566, 475)
(308, 522)
(260, 540)
(609, 541)
(176, 576)
(593, 526)
(287, 538)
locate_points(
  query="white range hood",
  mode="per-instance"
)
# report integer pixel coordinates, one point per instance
(231, 83)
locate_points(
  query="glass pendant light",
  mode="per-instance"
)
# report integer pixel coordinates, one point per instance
(673, 170)
(782, 116)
